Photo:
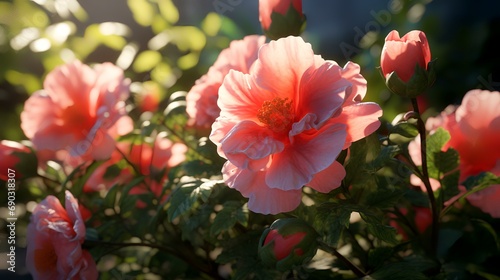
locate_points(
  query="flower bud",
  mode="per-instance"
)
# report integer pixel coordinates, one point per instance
(17, 157)
(281, 18)
(406, 63)
(287, 243)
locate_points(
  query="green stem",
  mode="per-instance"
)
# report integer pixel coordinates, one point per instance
(354, 268)
(425, 177)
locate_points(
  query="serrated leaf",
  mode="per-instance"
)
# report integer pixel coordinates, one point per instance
(449, 185)
(435, 143)
(378, 229)
(386, 154)
(231, 213)
(446, 161)
(184, 198)
(384, 198)
(332, 218)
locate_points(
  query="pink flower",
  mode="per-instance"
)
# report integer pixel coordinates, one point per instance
(202, 98)
(474, 127)
(403, 54)
(267, 7)
(154, 162)
(18, 158)
(80, 110)
(55, 236)
(283, 125)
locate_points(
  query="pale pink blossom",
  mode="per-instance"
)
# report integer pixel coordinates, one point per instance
(80, 110)
(282, 125)
(55, 236)
(474, 127)
(202, 98)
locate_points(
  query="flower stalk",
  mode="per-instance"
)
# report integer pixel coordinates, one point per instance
(425, 177)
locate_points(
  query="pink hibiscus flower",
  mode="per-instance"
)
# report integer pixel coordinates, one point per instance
(151, 160)
(474, 127)
(80, 110)
(55, 236)
(202, 98)
(154, 162)
(282, 125)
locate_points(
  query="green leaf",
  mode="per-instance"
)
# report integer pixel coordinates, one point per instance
(447, 237)
(331, 220)
(405, 129)
(377, 256)
(185, 197)
(232, 212)
(379, 229)
(435, 156)
(481, 181)
(169, 11)
(446, 161)
(146, 61)
(384, 198)
(110, 199)
(361, 152)
(387, 153)
(142, 11)
(449, 185)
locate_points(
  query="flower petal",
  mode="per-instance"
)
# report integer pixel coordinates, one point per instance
(249, 145)
(328, 179)
(361, 120)
(306, 156)
(262, 199)
(322, 91)
(281, 64)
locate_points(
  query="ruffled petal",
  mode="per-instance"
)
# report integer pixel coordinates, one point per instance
(281, 65)
(322, 91)
(249, 145)
(306, 156)
(240, 98)
(262, 199)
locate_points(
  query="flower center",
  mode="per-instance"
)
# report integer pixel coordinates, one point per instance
(277, 114)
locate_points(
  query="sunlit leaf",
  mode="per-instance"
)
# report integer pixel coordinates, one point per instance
(168, 11)
(143, 11)
(146, 60)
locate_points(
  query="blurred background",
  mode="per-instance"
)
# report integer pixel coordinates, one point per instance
(165, 45)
